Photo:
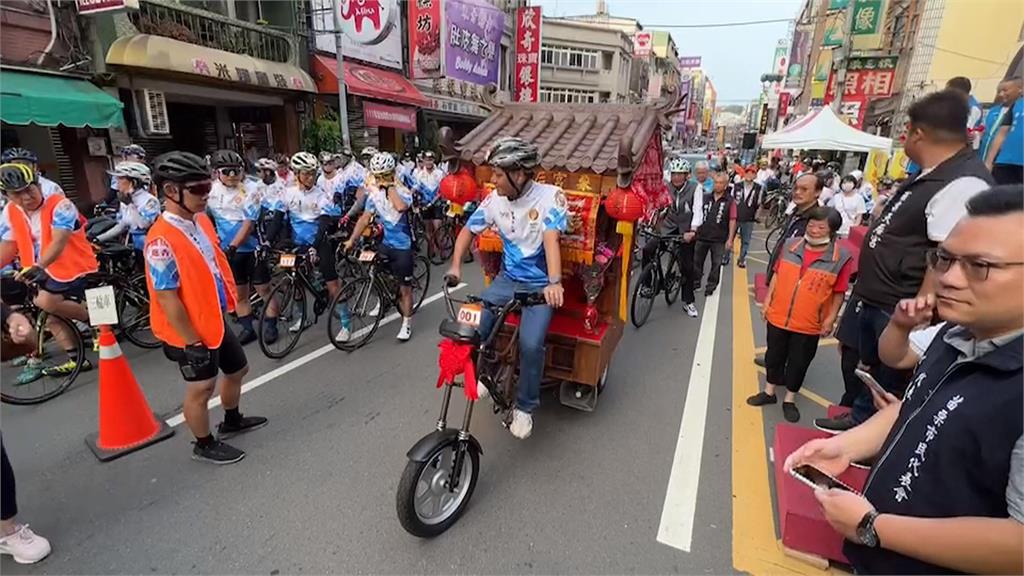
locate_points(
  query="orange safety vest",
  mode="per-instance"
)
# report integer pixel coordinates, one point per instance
(800, 301)
(198, 288)
(74, 261)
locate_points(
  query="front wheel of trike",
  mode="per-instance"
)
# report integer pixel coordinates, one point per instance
(426, 503)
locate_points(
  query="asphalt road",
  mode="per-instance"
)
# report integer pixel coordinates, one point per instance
(316, 493)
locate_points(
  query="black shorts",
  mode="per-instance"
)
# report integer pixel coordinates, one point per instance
(74, 290)
(229, 358)
(243, 264)
(400, 263)
(435, 211)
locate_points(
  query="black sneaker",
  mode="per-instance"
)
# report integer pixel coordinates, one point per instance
(762, 399)
(244, 424)
(790, 412)
(246, 336)
(709, 291)
(217, 452)
(835, 425)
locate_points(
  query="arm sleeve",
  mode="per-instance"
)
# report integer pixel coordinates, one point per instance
(65, 216)
(1015, 485)
(114, 231)
(161, 266)
(843, 279)
(698, 209)
(947, 207)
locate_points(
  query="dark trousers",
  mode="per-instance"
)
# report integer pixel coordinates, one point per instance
(848, 363)
(788, 357)
(1008, 173)
(872, 322)
(8, 500)
(701, 251)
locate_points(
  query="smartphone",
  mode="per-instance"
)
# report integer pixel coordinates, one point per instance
(815, 478)
(868, 379)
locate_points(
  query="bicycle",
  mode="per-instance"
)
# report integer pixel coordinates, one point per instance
(118, 269)
(443, 235)
(655, 279)
(775, 204)
(32, 372)
(289, 297)
(361, 304)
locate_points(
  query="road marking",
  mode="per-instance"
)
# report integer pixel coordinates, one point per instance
(680, 508)
(813, 397)
(303, 360)
(821, 342)
(758, 260)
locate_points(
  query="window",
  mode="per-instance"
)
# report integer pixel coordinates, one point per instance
(568, 96)
(565, 57)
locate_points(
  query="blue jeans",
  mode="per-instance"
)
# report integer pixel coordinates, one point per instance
(871, 322)
(746, 230)
(533, 327)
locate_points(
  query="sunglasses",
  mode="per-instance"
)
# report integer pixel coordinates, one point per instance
(198, 188)
(230, 171)
(973, 268)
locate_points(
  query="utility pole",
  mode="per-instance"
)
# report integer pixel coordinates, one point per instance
(843, 55)
(346, 142)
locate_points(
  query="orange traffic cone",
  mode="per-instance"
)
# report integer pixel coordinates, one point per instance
(126, 422)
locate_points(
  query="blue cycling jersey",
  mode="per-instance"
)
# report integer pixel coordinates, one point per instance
(397, 232)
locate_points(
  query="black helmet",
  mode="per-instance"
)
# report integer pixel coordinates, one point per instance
(179, 166)
(225, 158)
(513, 154)
(18, 153)
(14, 177)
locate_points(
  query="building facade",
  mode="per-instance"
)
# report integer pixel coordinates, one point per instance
(584, 63)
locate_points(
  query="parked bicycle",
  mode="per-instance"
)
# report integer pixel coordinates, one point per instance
(118, 268)
(438, 245)
(657, 278)
(297, 292)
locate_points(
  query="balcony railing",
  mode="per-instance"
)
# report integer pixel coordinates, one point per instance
(181, 22)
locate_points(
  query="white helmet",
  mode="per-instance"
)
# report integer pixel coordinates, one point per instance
(369, 151)
(382, 163)
(678, 165)
(326, 157)
(266, 164)
(134, 170)
(304, 162)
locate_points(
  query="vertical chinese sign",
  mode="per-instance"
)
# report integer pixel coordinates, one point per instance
(425, 38)
(784, 104)
(527, 79)
(471, 41)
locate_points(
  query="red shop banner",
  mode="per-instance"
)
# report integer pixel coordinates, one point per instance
(425, 39)
(783, 104)
(400, 117)
(870, 77)
(527, 79)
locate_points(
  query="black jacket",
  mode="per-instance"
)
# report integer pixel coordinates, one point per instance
(746, 208)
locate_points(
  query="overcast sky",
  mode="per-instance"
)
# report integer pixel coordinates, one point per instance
(734, 57)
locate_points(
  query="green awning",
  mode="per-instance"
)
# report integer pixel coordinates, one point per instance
(48, 100)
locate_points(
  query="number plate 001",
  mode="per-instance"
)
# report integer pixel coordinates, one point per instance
(287, 260)
(469, 314)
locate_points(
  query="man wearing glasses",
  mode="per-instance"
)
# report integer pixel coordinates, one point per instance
(946, 493)
(186, 272)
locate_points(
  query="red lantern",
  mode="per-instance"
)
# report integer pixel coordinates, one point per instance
(624, 204)
(459, 188)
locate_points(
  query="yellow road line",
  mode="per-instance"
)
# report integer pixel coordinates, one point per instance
(820, 400)
(755, 548)
(822, 342)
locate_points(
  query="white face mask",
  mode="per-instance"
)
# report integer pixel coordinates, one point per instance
(816, 241)
(847, 186)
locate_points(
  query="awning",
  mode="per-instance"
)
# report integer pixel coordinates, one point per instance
(366, 81)
(48, 100)
(823, 130)
(169, 55)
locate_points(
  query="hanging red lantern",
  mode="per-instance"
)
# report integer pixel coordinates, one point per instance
(459, 188)
(623, 204)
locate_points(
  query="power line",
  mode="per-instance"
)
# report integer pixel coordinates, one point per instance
(722, 24)
(962, 55)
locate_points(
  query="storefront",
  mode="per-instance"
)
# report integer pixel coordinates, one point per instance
(382, 104)
(184, 96)
(64, 119)
(454, 103)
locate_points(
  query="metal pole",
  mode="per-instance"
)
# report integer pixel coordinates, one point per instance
(340, 71)
(845, 51)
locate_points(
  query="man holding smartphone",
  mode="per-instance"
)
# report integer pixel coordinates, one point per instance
(947, 491)
(186, 271)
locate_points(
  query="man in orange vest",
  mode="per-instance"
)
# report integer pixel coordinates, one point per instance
(811, 276)
(46, 236)
(187, 272)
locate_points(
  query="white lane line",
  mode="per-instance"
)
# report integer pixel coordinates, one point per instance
(680, 508)
(303, 360)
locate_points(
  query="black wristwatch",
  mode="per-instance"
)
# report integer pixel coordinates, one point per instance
(866, 530)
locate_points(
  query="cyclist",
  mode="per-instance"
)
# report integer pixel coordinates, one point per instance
(235, 209)
(366, 155)
(426, 185)
(29, 158)
(186, 273)
(270, 229)
(129, 153)
(530, 217)
(406, 168)
(684, 215)
(353, 176)
(330, 178)
(48, 239)
(390, 201)
(138, 209)
(283, 171)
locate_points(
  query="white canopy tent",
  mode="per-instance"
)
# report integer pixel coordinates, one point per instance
(823, 130)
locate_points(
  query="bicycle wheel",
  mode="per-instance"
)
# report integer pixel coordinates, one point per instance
(49, 368)
(672, 281)
(288, 298)
(772, 238)
(444, 240)
(133, 314)
(420, 281)
(644, 291)
(355, 313)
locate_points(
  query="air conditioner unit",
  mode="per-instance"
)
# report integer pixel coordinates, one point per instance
(154, 112)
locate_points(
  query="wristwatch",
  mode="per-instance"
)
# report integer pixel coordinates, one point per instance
(554, 281)
(866, 530)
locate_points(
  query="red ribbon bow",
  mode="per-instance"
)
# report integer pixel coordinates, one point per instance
(453, 360)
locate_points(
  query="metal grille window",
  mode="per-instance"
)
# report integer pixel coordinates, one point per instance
(568, 96)
(566, 57)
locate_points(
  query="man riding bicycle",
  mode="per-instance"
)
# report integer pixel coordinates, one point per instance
(530, 218)
(390, 201)
(47, 238)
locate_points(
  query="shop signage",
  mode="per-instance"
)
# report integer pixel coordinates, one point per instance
(471, 40)
(642, 43)
(798, 54)
(784, 104)
(527, 70)
(689, 62)
(835, 29)
(400, 117)
(867, 17)
(425, 38)
(222, 71)
(372, 30)
(87, 7)
(870, 77)
(853, 110)
(453, 106)
(763, 127)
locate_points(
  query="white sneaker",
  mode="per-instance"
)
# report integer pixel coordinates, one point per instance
(522, 424)
(405, 332)
(343, 335)
(481, 390)
(25, 546)
(296, 326)
(690, 310)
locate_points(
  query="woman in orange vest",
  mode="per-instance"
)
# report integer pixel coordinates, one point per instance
(187, 273)
(46, 236)
(811, 277)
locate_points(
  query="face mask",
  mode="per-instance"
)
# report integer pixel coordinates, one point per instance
(847, 186)
(816, 241)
